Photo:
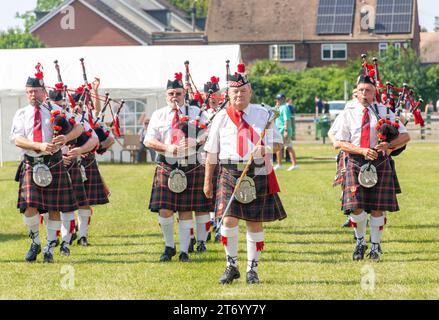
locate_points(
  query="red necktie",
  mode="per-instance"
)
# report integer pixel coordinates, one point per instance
(38, 134)
(175, 136)
(365, 130)
(242, 143)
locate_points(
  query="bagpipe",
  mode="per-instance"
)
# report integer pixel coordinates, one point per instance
(396, 100)
(80, 101)
(194, 97)
(394, 97)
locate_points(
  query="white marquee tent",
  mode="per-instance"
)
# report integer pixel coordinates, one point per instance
(128, 72)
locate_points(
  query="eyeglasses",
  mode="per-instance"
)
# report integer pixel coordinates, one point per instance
(177, 94)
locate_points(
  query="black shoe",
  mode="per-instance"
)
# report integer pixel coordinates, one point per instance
(347, 224)
(83, 242)
(201, 247)
(73, 238)
(191, 245)
(375, 253)
(48, 257)
(168, 254)
(231, 273)
(183, 257)
(360, 250)
(252, 277)
(64, 249)
(33, 252)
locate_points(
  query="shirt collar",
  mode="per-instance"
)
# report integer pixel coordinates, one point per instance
(180, 110)
(247, 110)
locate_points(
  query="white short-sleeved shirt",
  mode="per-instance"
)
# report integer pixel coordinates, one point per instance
(23, 126)
(160, 124)
(350, 123)
(223, 133)
(336, 124)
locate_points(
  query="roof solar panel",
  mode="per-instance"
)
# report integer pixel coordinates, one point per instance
(335, 16)
(394, 16)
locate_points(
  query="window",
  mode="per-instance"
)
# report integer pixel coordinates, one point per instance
(382, 47)
(129, 116)
(335, 51)
(282, 52)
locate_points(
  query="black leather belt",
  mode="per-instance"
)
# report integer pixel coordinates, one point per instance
(181, 163)
(239, 166)
(44, 159)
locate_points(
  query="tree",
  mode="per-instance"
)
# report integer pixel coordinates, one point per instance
(398, 66)
(43, 6)
(17, 39)
(186, 6)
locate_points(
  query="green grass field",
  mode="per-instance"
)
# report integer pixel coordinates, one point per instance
(307, 256)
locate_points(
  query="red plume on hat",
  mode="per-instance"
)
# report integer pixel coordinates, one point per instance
(178, 76)
(80, 89)
(214, 80)
(241, 68)
(39, 74)
(59, 86)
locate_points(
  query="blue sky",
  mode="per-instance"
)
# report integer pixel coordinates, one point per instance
(428, 9)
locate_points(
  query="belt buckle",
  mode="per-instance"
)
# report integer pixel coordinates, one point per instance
(240, 166)
(37, 160)
(182, 163)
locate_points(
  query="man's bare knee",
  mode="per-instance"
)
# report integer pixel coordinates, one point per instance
(358, 211)
(230, 222)
(30, 212)
(165, 213)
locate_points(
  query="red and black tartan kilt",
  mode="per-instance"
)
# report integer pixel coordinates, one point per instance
(192, 199)
(58, 196)
(94, 186)
(395, 177)
(340, 169)
(381, 197)
(77, 184)
(266, 207)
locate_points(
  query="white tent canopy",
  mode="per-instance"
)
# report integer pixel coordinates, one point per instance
(125, 72)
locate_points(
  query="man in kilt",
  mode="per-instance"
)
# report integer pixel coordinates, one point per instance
(213, 98)
(172, 135)
(233, 137)
(95, 189)
(85, 143)
(33, 133)
(358, 138)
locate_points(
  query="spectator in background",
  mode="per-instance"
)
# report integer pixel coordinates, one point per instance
(325, 107)
(437, 105)
(142, 147)
(283, 124)
(293, 118)
(429, 109)
(319, 106)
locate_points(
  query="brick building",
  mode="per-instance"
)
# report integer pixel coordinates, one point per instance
(312, 33)
(117, 23)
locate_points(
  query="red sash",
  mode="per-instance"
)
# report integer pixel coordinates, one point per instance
(273, 185)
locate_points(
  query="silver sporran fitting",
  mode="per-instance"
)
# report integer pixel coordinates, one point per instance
(368, 177)
(246, 192)
(177, 181)
(83, 174)
(41, 175)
